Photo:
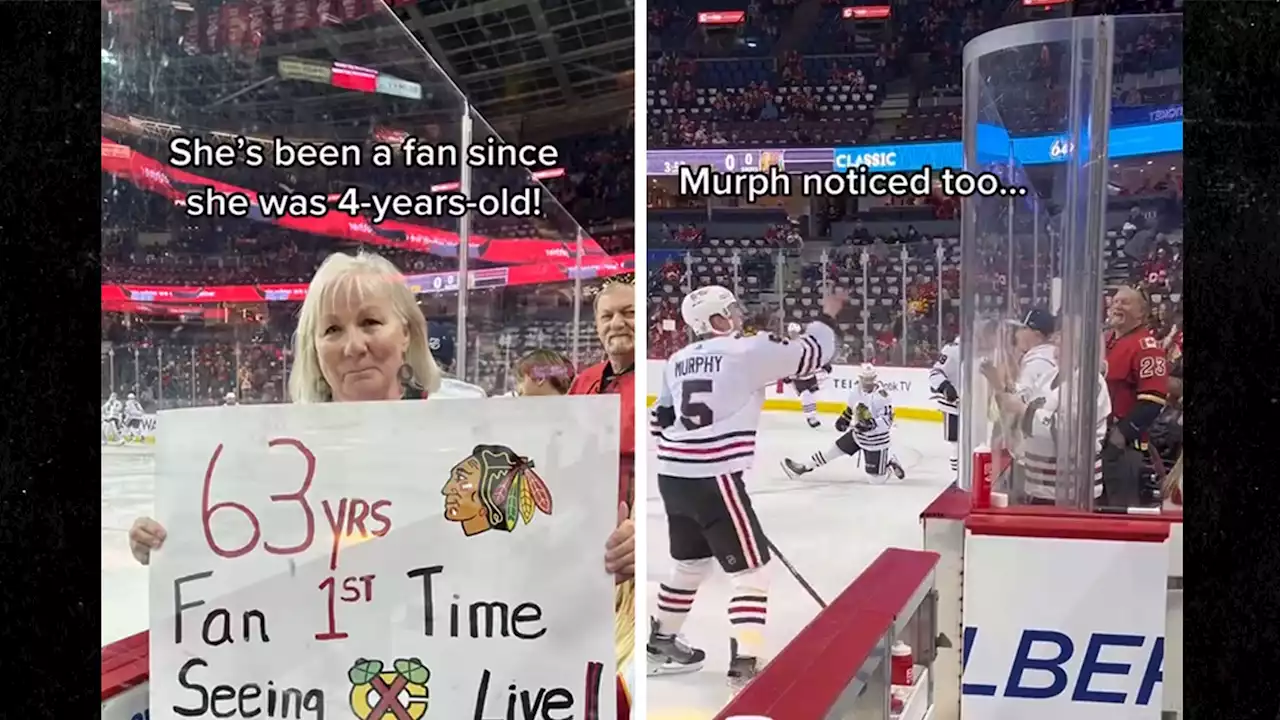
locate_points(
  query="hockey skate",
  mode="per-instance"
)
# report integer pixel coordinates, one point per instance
(814, 422)
(742, 669)
(794, 469)
(896, 468)
(670, 655)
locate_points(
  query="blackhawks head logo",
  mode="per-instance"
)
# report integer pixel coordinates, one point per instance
(493, 489)
(399, 695)
(862, 413)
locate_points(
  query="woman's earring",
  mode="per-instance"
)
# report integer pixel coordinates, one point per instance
(406, 374)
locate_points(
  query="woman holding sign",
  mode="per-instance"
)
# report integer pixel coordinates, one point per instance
(362, 337)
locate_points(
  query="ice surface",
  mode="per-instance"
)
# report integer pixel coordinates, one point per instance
(128, 487)
(830, 524)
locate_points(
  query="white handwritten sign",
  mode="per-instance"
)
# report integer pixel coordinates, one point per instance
(439, 559)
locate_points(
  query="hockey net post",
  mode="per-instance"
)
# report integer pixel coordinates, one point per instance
(838, 666)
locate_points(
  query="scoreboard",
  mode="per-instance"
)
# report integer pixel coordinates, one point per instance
(795, 160)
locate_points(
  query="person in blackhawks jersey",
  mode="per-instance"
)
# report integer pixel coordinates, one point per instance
(943, 378)
(866, 426)
(705, 422)
(1138, 381)
(807, 385)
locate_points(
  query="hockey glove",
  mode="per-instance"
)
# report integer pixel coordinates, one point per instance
(842, 422)
(948, 391)
(664, 417)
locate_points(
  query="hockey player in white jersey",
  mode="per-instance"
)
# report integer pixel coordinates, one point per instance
(944, 376)
(230, 399)
(112, 410)
(807, 385)
(705, 421)
(870, 413)
(133, 413)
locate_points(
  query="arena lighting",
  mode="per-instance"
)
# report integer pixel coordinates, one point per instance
(722, 17)
(116, 295)
(866, 12)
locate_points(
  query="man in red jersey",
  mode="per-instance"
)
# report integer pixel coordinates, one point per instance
(615, 308)
(1138, 381)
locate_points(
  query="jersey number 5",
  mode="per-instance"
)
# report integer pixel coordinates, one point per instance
(694, 414)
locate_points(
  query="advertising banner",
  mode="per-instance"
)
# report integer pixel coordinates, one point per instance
(1061, 629)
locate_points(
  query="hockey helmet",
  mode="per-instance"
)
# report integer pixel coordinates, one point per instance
(702, 304)
(794, 329)
(867, 375)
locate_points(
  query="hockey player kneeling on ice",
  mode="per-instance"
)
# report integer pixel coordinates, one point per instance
(870, 412)
(705, 421)
(807, 385)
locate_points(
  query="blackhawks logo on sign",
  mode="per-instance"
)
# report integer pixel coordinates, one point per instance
(494, 488)
(399, 695)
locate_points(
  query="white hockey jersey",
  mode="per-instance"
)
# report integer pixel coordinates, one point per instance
(133, 410)
(946, 370)
(874, 405)
(708, 407)
(1037, 450)
(112, 409)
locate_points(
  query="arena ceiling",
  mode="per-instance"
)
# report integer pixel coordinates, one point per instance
(532, 65)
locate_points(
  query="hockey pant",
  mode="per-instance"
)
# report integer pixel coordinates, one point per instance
(951, 432)
(713, 518)
(875, 462)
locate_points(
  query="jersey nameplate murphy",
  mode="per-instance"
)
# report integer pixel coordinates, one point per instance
(713, 391)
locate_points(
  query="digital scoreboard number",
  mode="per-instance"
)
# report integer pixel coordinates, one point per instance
(749, 160)
(794, 160)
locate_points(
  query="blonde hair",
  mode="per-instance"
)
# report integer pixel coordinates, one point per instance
(363, 274)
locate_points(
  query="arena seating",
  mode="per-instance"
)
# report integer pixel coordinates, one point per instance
(706, 92)
(894, 271)
(173, 363)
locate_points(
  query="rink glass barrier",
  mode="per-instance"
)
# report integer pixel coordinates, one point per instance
(903, 299)
(1058, 247)
(215, 71)
(213, 74)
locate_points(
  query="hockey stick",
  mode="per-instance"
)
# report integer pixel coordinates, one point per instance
(796, 574)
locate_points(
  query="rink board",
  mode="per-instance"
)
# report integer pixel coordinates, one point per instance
(908, 388)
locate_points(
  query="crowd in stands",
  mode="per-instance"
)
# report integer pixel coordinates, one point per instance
(175, 362)
(713, 87)
(911, 301)
(789, 77)
(174, 365)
